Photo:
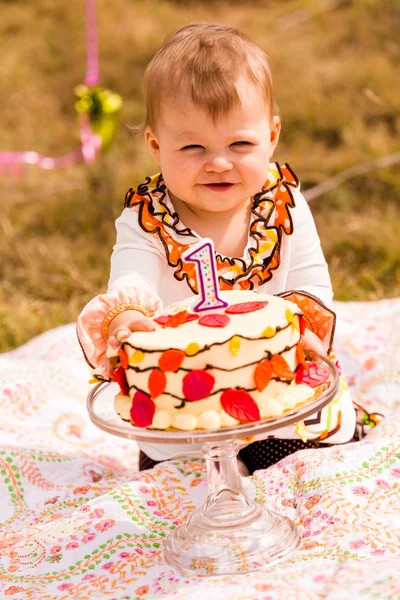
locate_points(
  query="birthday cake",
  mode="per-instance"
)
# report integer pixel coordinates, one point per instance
(218, 368)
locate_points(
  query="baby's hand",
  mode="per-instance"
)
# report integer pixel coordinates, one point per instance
(312, 343)
(120, 329)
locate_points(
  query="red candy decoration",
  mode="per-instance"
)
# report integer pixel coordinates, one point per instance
(240, 405)
(191, 317)
(123, 358)
(245, 307)
(142, 410)
(175, 320)
(157, 383)
(314, 377)
(302, 324)
(171, 360)
(163, 319)
(120, 377)
(214, 320)
(197, 385)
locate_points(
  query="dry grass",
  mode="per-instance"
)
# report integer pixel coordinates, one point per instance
(335, 65)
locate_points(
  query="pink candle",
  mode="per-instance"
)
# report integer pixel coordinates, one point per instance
(202, 255)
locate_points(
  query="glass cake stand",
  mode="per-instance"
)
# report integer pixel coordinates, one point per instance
(229, 534)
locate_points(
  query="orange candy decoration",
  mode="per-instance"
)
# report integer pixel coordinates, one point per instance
(265, 370)
(123, 358)
(301, 359)
(281, 368)
(263, 374)
(178, 319)
(171, 360)
(157, 383)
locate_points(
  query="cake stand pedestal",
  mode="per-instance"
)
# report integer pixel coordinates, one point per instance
(229, 534)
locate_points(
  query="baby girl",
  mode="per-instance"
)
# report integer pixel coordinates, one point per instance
(212, 126)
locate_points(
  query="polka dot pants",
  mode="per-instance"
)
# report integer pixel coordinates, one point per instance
(263, 454)
(258, 455)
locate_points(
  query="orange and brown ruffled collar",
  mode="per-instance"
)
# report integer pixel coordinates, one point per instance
(270, 219)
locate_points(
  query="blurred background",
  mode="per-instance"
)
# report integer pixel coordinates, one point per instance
(336, 70)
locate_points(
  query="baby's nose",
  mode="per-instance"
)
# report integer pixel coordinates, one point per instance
(218, 163)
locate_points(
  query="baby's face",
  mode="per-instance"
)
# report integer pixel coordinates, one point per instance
(215, 167)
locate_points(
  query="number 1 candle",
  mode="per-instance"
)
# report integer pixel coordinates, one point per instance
(202, 255)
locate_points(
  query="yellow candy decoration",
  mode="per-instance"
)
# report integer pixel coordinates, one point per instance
(269, 332)
(192, 349)
(136, 357)
(301, 431)
(234, 345)
(293, 319)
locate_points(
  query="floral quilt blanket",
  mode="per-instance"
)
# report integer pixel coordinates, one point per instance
(79, 522)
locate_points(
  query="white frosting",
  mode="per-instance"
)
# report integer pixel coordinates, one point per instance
(231, 364)
(122, 405)
(209, 419)
(187, 422)
(162, 419)
(248, 325)
(227, 420)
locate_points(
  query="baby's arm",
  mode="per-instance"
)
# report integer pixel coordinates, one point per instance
(137, 269)
(308, 283)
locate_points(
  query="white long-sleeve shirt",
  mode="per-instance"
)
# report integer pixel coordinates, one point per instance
(283, 256)
(139, 259)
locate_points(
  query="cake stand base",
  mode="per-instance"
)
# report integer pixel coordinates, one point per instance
(229, 534)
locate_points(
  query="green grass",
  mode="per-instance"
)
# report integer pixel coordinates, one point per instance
(336, 73)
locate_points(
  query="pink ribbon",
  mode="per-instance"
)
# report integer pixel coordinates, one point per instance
(90, 143)
(92, 45)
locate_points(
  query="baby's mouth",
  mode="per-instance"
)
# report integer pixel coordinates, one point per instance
(219, 187)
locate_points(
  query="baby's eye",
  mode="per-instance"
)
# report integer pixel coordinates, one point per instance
(192, 147)
(242, 144)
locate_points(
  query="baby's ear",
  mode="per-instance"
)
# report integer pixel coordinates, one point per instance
(275, 131)
(152, 143)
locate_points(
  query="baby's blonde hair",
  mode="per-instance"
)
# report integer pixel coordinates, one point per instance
(204, 62)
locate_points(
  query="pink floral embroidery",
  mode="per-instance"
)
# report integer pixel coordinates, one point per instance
(107, 566)
(65, 586)
(360, 490)
(382, 484)
(356, 544)
(396, 472)
(378, 551)
(104, 525)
